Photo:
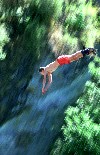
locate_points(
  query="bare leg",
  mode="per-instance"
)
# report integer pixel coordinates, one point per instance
(75, 56)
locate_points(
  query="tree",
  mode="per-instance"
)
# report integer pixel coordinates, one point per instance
(81, 130)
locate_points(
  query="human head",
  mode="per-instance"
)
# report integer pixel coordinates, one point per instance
(41, 70)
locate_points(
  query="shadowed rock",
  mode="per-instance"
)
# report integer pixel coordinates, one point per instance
(34, 129)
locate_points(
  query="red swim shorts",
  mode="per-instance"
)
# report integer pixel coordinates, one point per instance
(63, 59)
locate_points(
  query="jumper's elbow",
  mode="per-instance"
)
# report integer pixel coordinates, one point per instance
(50, 81)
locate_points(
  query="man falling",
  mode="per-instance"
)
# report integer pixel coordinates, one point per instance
(61, 60)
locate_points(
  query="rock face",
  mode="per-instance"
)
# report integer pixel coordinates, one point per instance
(32, 131)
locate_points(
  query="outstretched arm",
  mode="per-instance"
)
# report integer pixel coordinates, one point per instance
(49, 81)
(44, 82)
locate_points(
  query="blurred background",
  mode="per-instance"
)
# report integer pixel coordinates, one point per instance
(66, 119)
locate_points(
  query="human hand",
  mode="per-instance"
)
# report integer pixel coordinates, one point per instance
(44, 91)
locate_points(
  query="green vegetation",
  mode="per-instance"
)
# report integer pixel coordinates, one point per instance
(81, 130)
(3, 40)
(30, 22)
(24, 25)
(30, 29)
(81, 22)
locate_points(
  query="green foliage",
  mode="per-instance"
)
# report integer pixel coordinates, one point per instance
(70, 42)
(36, 34)
(91, 28)
(30, 20)
(26, 24)
(46, 9)
(25, 29)
(90, 101)
(75, 16)
(3, 40)
(80, 24)
(80, 135)
(81, 130)
(82, 21)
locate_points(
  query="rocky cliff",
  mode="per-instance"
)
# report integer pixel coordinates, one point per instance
(33, 126)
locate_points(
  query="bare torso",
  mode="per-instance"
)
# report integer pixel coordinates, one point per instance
(52, 66)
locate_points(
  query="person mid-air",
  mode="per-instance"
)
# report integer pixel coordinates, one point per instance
(61, 60)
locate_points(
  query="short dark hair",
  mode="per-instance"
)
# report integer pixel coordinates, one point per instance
(41, 69)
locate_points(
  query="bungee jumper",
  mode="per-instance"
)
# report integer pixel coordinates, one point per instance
(62, 60)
